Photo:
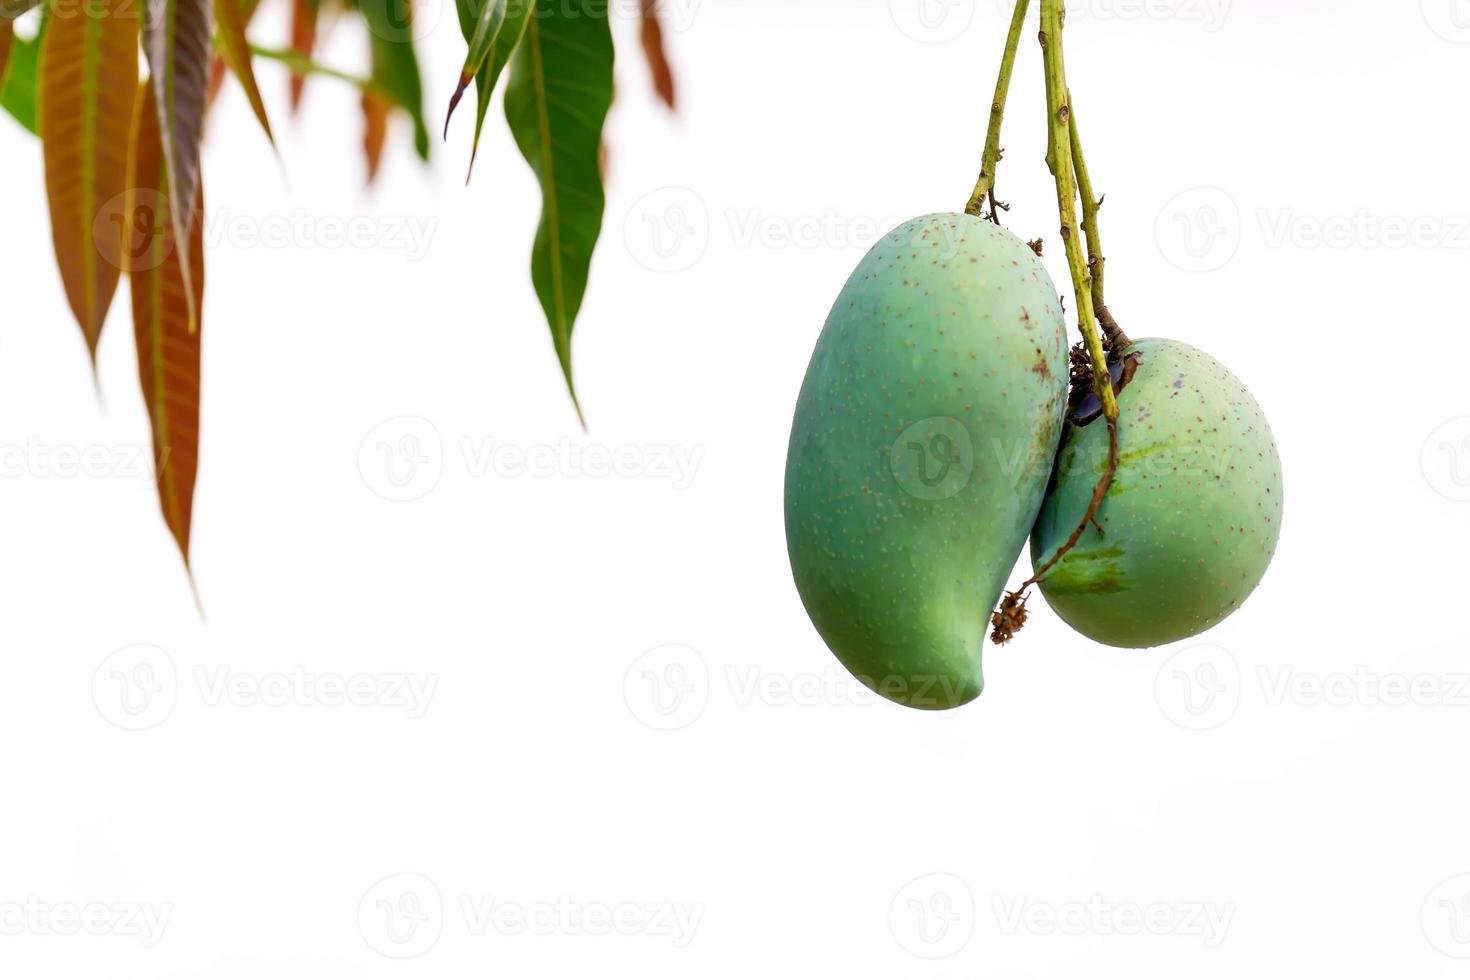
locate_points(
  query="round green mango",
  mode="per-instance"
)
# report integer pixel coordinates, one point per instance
(1193, 514)
(923, 440)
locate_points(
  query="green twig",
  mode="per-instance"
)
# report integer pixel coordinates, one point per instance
(1012, 613)
(302, 65)
(990, 160)
(1096, 261)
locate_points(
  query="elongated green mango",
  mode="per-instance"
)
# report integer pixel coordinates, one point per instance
(924, 436)
(1193, 514)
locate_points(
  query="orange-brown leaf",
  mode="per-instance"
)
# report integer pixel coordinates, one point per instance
(7, 39)
(168, 350)
(658, 59)
(230, 21)
(374, 132)
(87, 76)
(303, 41)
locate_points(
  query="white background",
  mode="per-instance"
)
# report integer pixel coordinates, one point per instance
(627, 713)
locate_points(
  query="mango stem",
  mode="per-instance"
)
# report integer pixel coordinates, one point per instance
(990, 160)
(1060, 158)
(1117, 339)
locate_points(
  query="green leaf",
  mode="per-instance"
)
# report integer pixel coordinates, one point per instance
(561, 88)
(487, 73)
(18, 96)
(481, 22)
(395, 65)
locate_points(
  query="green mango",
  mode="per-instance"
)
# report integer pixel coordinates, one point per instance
(923, 440)
(1193, 514)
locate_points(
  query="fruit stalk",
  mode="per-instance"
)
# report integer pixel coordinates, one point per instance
(1059, 159)
(1011, 615)
(990, 160)
(1117, 339)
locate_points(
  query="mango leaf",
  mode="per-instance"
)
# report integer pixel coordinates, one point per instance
(561, 88)
(88, 76)
(7, 41)
(517, 16)
(12, 9)
(235, 49)
(480, 21)
(395, 65)
(165, 321)
(177, 35)
(374, 131)
(652, 38)
(304, 15)
(18, 94)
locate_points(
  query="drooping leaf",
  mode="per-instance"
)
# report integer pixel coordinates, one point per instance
(235, 50)
(560, 90)
(304, 15)
(177, 36)
(517, 16)
(395, 64)
(218, 67)
(652, 38)
(88, 75)
(167, 333)
(13, 9)
(481, 22)
(374, 132)
(18, 95)
(7, 40)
